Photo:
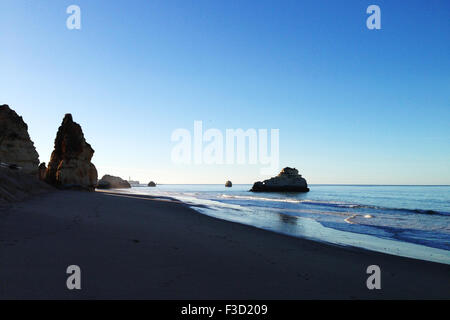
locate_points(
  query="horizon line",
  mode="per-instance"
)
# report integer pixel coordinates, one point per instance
(321, 184)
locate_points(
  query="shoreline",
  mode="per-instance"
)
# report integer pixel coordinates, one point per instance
(304, 226)
(145, 247)
(317, 240)
(310, 184)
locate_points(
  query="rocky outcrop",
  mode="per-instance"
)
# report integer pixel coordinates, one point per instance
(151, 184)
(228, 184)
(288, 180)
(15, 185)
(41, 171)
(112, 182)
(70, 164)
(16, 147)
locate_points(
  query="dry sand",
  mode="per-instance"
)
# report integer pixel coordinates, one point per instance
(139, 247)
(17, 186)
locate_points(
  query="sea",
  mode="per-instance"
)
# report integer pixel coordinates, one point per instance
(409, 221)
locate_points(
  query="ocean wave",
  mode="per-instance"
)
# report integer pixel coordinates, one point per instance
(350, 219)
(260, 198)
(335, 204)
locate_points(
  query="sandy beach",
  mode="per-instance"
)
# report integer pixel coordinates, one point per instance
(141, 247)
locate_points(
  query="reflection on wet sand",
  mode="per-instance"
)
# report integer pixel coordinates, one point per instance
(288, 218)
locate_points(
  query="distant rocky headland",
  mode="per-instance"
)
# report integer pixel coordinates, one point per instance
(288, 180)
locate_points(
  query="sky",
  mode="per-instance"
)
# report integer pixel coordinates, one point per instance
(352, 105)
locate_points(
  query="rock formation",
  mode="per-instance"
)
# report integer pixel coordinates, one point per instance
(16, 147)
(288, 180)
(228, 184)
(151, 184)
(70, 163)
(112, 182)
(41, 171)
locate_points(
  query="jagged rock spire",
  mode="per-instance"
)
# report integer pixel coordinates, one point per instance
(70, 163)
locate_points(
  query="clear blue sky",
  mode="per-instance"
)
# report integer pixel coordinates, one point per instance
(353, 105)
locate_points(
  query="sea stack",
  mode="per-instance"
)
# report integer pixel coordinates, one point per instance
(151, 184)
(70, 164)
(16, 147)
(228, 184)
(112, 182)
(288, 180)
(41, 171)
